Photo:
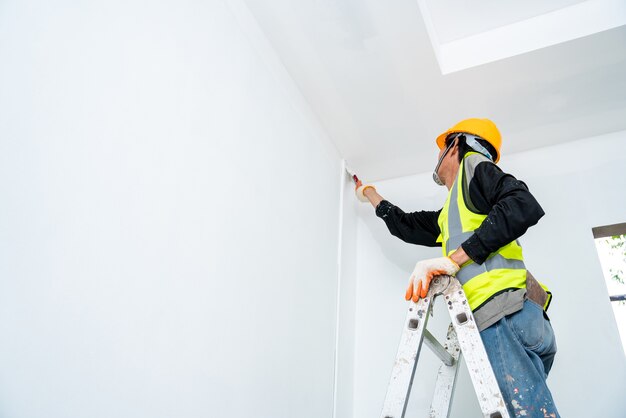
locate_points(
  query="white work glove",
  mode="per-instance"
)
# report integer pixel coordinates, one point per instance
(424, 272)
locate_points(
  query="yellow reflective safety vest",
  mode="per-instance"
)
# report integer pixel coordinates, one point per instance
(503, 270)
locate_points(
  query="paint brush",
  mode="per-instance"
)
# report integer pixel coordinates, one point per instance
(352, 174)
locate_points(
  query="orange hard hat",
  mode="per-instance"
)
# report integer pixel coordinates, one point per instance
(483, 128)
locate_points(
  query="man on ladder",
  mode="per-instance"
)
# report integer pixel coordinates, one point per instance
(485, 213)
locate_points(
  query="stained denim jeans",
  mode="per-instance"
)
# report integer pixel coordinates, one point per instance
(521, 348)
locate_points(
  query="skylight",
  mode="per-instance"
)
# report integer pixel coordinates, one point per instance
(464, 36)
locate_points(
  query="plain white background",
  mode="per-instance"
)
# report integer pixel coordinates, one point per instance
(168, 219)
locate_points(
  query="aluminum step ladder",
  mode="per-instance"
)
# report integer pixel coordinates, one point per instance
(463, 337)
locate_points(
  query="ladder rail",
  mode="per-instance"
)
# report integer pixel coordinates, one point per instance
(403, 370)
(475, 356)
(463, 341)
(413, 333)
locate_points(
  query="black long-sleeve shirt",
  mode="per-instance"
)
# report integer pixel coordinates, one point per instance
(510, 208)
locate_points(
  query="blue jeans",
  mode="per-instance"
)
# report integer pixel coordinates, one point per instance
(521, 348)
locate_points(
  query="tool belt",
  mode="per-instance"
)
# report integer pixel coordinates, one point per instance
(534, 291)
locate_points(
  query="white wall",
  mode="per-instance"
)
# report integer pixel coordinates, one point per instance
(168, 219)
(580, 185)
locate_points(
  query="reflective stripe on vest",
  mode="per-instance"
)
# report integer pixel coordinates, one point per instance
(504, 269)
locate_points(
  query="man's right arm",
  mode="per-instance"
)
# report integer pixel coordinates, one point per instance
(419, 228)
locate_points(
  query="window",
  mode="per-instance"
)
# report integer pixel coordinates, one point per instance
(611, 245)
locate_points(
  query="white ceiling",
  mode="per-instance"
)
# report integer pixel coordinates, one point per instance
(370, 73)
